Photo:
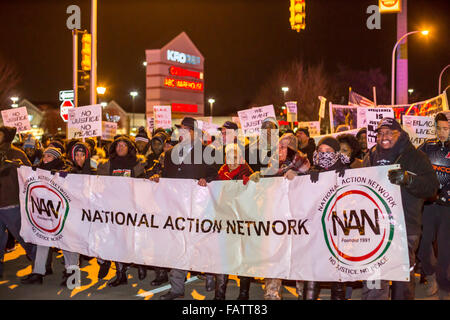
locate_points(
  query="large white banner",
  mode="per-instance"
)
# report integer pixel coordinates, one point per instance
(338, 229)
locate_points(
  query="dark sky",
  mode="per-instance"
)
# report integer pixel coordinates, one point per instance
(243, 43)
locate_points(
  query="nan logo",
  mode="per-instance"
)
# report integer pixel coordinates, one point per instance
(46, 208)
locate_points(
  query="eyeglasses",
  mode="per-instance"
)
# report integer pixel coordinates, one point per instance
(388, 133)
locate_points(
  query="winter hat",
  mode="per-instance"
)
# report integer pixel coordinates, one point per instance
(305, 130)
(30, 142)
(188, 122)
(142, 135)
(331, 142)
(9, 133)
(58, 145)
(389, 123)
(229, 125)
(79, 147)
(270, 119)
(292, 141)
(53, 151)
(360, 132)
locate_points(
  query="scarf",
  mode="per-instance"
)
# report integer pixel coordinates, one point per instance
(326, 160)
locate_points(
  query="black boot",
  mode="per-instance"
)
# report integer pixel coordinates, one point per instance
(210, 279)
(311, 290)
(104, 268)
(244, 288)
(121, 275)
(338, 291)
(142, 272)
(161, 277)
(221, 286)
(32, 279)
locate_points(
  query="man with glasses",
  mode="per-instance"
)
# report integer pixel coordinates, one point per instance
(436, 215)
(417, 181)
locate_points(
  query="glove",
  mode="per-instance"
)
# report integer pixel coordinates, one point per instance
(443, 198)
(63, 174)
(255, 176)
(14, 163)
(341, 172)
(400, 177)
(314, 176)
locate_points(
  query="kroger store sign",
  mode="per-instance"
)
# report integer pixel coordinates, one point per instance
(181, 57)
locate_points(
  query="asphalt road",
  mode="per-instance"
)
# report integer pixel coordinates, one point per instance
(17, 266)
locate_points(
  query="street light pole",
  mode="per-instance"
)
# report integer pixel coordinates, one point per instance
(93, 84)
(393, 62)
(440, 78)
(133, 94)
(211, 102)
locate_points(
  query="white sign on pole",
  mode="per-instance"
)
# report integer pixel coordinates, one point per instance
(251, 119)
(419, 128)
(18, 118)
(291, 106)
(163, 117)
(85, 122)
(373, 116)
(109, 130)
(66, 95)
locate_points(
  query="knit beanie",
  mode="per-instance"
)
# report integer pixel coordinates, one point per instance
(53, 151)
(331, 142)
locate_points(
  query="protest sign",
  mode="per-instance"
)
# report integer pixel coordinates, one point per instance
(162, 116)
(251, 119)
(291, 115)
(85, 122)
(419, 128)
(373, 116)
(109, 130)
(343, 117)
(17, 118)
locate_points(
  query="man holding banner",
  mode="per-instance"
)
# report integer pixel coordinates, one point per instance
(417, 181)
(436, 219)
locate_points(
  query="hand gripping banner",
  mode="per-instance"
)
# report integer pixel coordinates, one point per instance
(337, 229)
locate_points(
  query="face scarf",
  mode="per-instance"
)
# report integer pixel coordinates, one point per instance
(326, 160)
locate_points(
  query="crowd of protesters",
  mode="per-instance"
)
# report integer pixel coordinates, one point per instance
(423, 177)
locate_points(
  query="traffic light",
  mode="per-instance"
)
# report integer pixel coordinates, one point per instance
(86, 40)
(298, 15)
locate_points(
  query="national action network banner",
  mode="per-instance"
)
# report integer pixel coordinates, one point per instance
(338, 229)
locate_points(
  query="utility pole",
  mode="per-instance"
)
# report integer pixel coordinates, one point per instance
(93, 78)
(75, 66)
(402, 56)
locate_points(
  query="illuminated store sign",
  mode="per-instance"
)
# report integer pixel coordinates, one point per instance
(177, 71)
(183, 84)
(181, 57)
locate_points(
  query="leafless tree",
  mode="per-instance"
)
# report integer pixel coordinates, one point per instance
(9, 78)
(305, 83)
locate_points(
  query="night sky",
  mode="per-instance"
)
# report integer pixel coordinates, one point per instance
(243, 43)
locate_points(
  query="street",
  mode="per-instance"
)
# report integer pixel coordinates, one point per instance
(17, 266)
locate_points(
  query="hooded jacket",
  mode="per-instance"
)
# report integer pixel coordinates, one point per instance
(424, 185)
(87, 168)
(131, 165)
(9, 184)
